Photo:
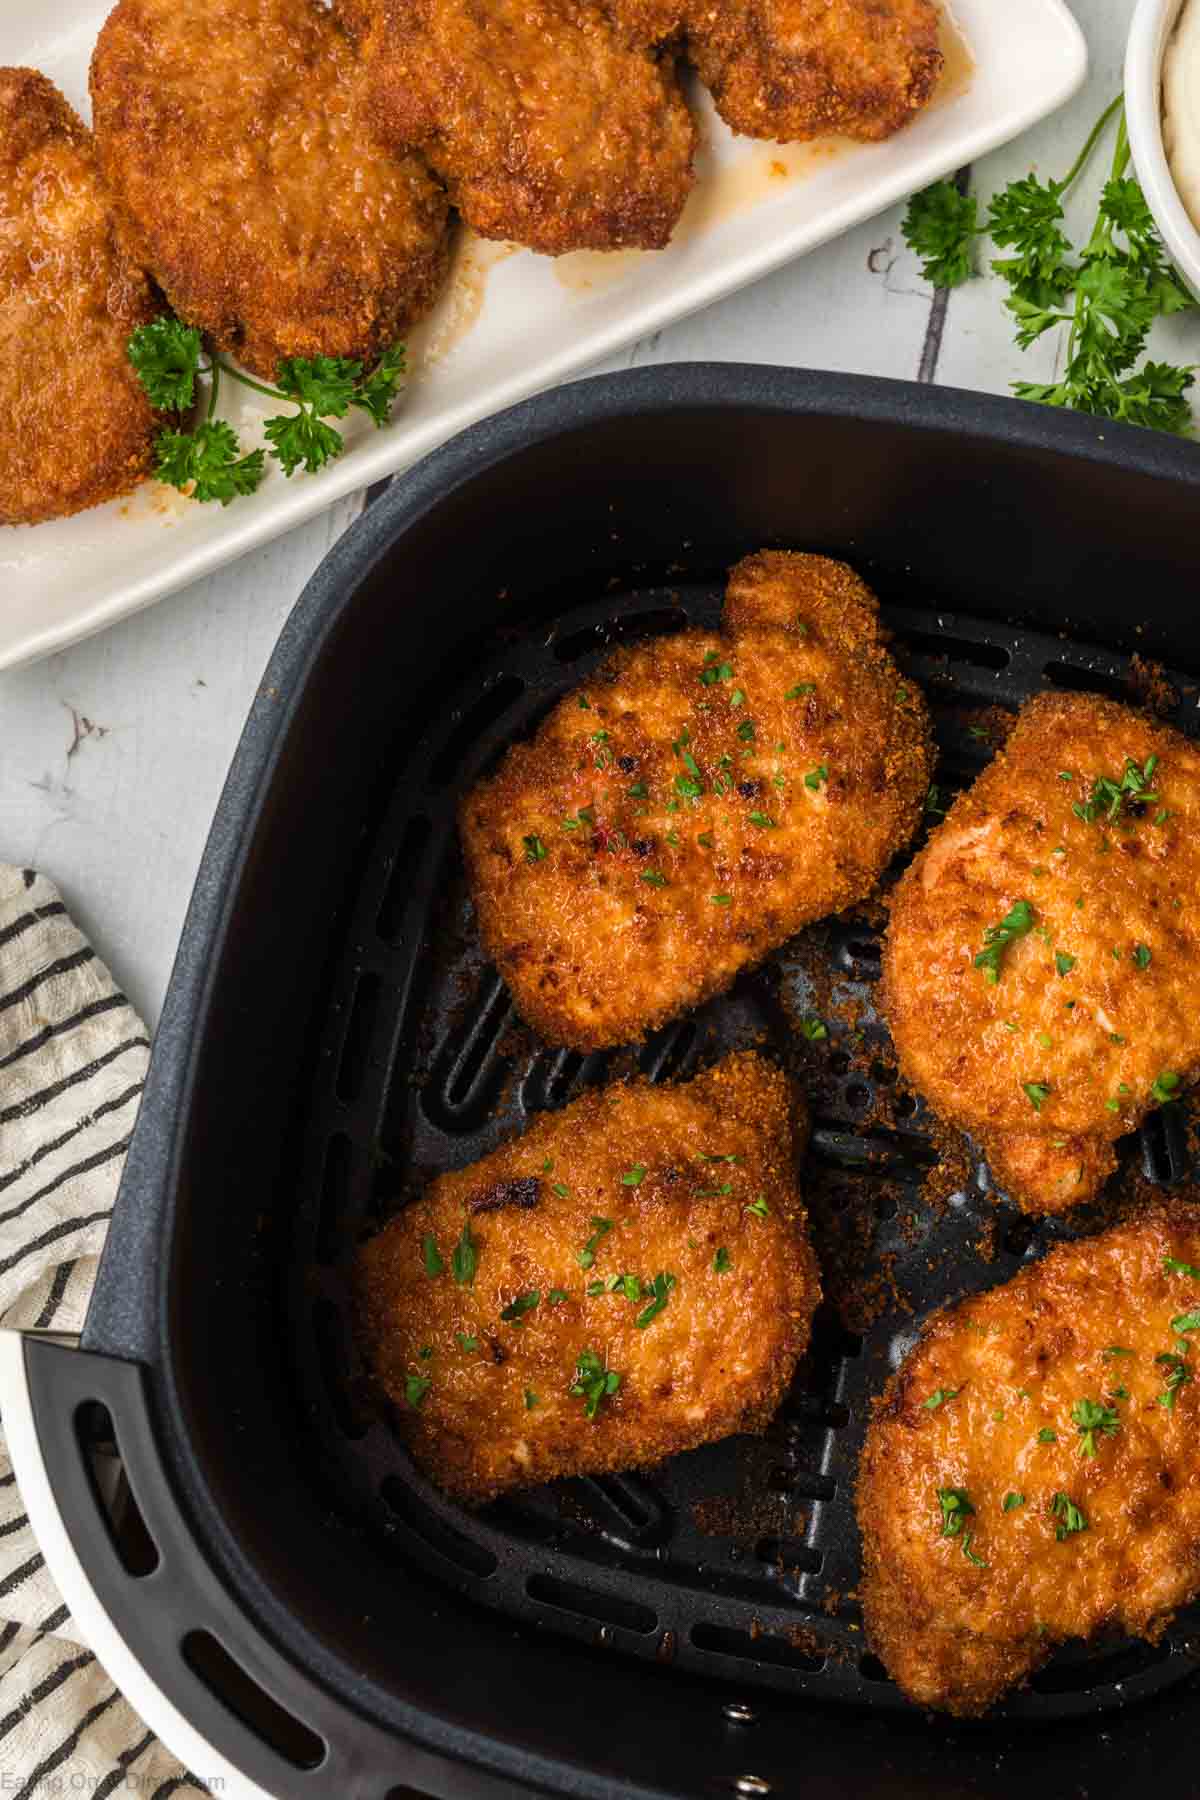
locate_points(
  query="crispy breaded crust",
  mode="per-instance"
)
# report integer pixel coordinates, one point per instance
(656, 897)
(232, 133)
(546, 128)
(1018, 1359)
(1102, 1032)
(717, 1359)
(77, 426)
(795, 69)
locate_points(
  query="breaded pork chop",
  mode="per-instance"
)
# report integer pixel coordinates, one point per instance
(1042, 964)
(231, 131)
(77, 426)
(546, 128)
(702, 798)
(1030, 1474)
(630, 1278)
(793, 69)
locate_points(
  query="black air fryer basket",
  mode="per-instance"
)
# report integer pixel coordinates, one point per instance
(286, 1599)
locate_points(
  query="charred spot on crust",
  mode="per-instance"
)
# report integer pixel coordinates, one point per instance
(524, 1191)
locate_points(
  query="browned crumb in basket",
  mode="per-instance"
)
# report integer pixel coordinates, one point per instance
(1150, 686)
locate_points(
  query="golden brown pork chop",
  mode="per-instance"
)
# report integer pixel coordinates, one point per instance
(1042, 965)
(630, 1278)
(232, 133)
(77, 425)
(697, 802)
(546, 127)
(1030, 1474)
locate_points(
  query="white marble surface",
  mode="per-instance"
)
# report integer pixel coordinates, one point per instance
(112, 754)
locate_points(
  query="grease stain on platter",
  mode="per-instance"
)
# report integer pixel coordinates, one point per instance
(958, 65)
(472, 260)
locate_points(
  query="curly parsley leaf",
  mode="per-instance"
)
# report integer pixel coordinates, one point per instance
(377, 391)
(302, 440)
(208, 457)
(939, 225)
(166, 357)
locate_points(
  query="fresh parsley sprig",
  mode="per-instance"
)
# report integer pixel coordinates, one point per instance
(167, 357)
(1107, 296)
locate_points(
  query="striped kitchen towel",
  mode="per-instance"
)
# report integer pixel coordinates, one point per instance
(73, 1057)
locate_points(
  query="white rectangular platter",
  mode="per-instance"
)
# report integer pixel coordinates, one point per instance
(511, 322)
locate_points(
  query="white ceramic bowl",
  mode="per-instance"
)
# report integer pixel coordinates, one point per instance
(1153, 23)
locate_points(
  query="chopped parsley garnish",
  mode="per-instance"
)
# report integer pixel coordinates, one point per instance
(433, 1261)
(425, 1352)
(465, 1257)
(939, 1398)
(813, 1029)
(1068, 1515)
(721, 899)
(587, 1256)
(638, 791)
(801, 688)
(531, 1399)
(593, 1383)
(416, 1387)
(688, 788)
(1109, 797)
(535, 850)
(466, 1343)
(729, 1156)
(715, 1193)
(933, 802)
(561, 1189)
(970, 1554)
(1178, 1375)
(1116, 1350)
(996, 939)
(1046, 1436)
(556, 1296)
(759, 1207)
(660, 1289)
(1173, 1266)
(1063, 963)
(1037, 1093)
(654, 878)
(515, 1312)
(956, 1509)
(1090, 1417)
(634, 1177)
(722, 1261)
(763, 821)
(1142, 956)
(715, 670)
(1011, 1502)
(1163, 1087)
(816, 776)
(737, 698)
(1188, 1321)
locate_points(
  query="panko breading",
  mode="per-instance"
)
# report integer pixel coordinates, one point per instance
(1094, 1015)
(232, 133)
(794, 69)
(1030, 1474)
(702, 798)
(546, 128)
(77, 426)
(650, 1234)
